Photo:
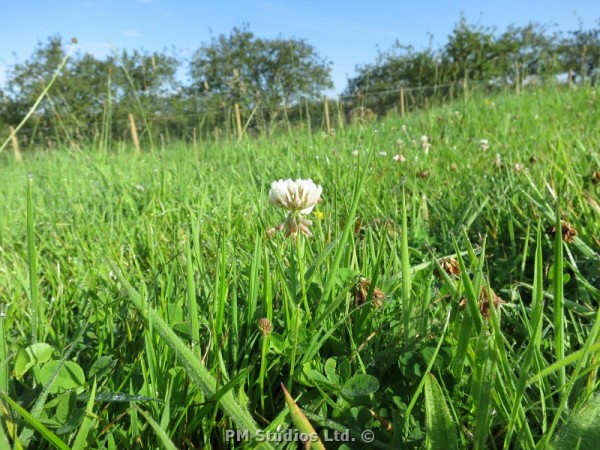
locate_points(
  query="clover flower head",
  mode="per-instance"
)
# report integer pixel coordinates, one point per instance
(298, 197)
(484, 145)
(425, 144)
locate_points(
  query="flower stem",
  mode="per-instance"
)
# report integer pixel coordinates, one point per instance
(300, 257)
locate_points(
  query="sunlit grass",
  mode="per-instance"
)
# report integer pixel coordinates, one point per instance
(139, 324)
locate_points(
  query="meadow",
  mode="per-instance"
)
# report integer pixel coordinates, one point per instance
(448, 296)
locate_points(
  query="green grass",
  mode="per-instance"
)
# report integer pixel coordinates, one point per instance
(131, 287)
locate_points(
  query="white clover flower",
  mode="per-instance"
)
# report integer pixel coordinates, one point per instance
(484, 145)
(298, 197)
(425, 144)
(399, 158)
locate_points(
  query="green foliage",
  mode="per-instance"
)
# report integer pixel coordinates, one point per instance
(258, 73)
(475, 55)
(35, 354)
(581, 429)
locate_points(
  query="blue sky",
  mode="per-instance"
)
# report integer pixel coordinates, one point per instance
(347, 32)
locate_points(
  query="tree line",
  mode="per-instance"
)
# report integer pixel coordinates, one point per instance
(273, 82)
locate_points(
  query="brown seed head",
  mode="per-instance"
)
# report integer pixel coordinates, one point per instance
(361, 291)
(265, 326)
(567, 231)
(424, 174)
(450, 266)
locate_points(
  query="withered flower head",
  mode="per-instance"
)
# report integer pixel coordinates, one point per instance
(484, 301)
(450, 266)
(595, 177)
(265, 326)
(453, 167)
(271, 232)
(567, 231)
(361, 290)
(498, 162)
(424, 174)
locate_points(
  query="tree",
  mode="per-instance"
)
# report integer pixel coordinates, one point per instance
(400, 66)
(580, 53)
(526, 51)
(88, 88)
(470, 52)
(253, 71)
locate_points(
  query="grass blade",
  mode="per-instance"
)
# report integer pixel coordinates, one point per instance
(441, 431)
(88, 422)
(193, 367)
(37, 312)
(301, 422)
(166, 442)
(35, 423)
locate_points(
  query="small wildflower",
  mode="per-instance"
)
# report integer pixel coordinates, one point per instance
(298, 197)
(498, 162)
(399, 158)
(319, 215)
(361, 291)
(271, 232)
(355, 153)
(425, 144)
(382, 153)
(484, 145)
(453, 167)
(518, 167)
(265, 326)
(567, 231)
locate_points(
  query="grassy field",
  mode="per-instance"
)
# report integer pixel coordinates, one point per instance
(146, 302)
